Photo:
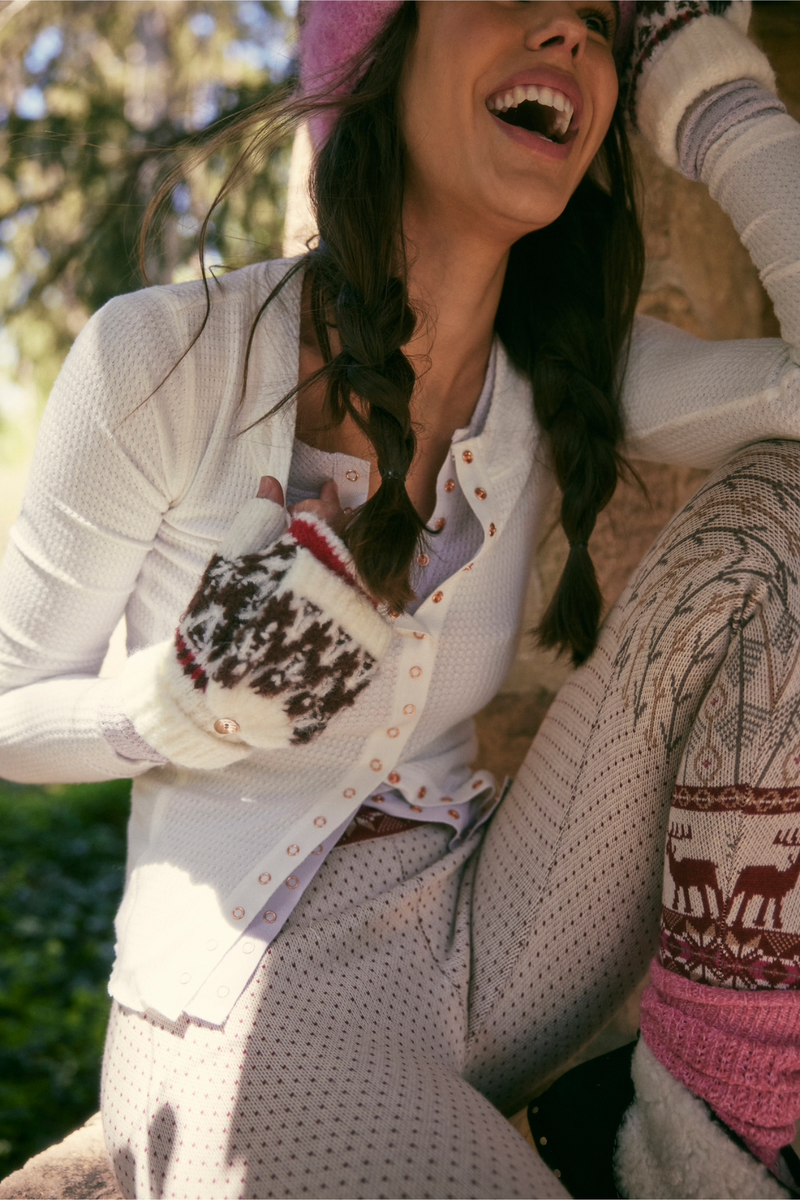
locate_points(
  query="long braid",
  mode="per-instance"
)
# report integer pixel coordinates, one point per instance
(565, 318)
(359, 278)
(571, 337)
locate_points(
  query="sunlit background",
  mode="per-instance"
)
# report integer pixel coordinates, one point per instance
(97, 101)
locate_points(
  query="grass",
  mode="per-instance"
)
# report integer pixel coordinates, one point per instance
(62, 853)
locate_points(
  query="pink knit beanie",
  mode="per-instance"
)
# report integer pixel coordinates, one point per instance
(334, 31)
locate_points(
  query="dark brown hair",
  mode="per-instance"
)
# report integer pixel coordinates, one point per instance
(564, 318)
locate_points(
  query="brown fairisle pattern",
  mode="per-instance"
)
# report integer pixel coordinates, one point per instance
(731, 906)
(243, 628)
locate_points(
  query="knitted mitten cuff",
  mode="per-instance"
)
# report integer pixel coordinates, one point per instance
(277, 640)
(670, 1145)
(714, 114)
(679, 51)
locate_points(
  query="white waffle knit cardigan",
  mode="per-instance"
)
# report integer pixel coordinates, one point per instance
(127, 501)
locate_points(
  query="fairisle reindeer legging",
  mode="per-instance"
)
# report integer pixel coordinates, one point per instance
(413, 990)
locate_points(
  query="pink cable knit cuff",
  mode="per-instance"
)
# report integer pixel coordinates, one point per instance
(739, 1051)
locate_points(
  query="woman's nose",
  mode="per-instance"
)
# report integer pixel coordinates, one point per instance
(557, 26)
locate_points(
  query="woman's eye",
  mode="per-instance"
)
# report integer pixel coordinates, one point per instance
(597, 21)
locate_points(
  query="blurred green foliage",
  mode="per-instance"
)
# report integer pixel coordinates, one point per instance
(62, 851)
(97, 100)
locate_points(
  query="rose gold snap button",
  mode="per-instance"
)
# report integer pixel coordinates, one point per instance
(438, 597)
(467, 456)
(441, 522)
(352, 476)
(270, 917)
(409, 710)
(376, 764)
(423, 560)
(320, 821)
(492, 530)
(393, 732)
(265, 877)
(394, 777)
(451, 483)
(454, 813)
(292, 881)
(238, 913)
(422, 793)
(480, 493)
(292, 850)
(226, 725)
(415, 672)
(348, 793)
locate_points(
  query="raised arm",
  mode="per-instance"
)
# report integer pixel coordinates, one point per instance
(688, 401)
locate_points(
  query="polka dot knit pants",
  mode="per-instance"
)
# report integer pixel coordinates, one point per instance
(414, 993)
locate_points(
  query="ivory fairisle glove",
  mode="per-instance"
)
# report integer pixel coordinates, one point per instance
(681, 49)
(277, 640)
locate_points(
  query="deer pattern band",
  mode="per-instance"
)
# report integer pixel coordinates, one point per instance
(717, 611)
(731, 903)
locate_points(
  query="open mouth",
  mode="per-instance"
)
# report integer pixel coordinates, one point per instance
(541, 110)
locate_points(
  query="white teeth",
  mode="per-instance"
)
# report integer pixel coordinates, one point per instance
(543, 95)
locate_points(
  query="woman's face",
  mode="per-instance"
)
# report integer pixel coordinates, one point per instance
(505, 104)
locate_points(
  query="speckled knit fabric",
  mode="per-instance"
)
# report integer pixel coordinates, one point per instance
(411, 987)
(587, 819)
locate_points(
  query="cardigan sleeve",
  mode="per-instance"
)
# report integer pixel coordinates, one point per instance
(105, 469)
(693, 402)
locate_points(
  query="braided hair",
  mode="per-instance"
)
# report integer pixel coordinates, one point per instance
(570, 338)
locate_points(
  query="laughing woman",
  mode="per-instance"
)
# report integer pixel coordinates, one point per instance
(339, 957)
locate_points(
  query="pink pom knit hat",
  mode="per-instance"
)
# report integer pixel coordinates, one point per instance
(334, 31)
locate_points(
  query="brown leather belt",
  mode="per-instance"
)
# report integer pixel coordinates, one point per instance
(370, 823)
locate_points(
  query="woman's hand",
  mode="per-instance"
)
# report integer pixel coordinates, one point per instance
(327, 507)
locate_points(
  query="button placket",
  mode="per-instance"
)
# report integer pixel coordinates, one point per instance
(270, 875)
(478, 491)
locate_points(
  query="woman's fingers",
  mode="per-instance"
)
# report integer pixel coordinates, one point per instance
(270, 489)
(327, 508)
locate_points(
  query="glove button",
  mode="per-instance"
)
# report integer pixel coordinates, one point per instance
(226, 725)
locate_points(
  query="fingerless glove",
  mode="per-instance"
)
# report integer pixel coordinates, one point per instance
(278, 639)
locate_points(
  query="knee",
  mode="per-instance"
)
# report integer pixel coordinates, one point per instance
(736, 539)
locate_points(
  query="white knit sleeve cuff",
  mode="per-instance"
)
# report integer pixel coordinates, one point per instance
(708, 52)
